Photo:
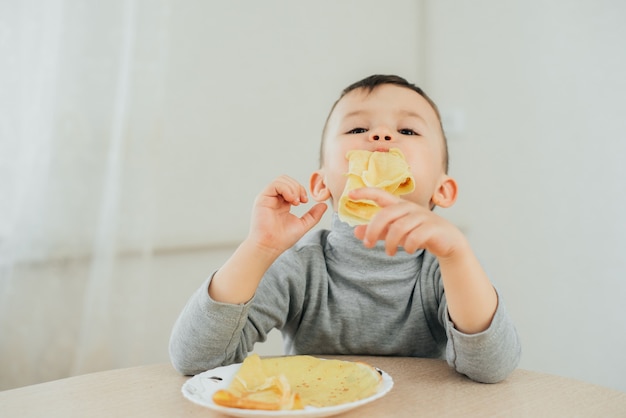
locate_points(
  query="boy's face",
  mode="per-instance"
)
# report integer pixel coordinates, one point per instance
(388, 117)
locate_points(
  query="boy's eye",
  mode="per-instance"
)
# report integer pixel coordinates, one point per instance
(357, 131)
(408, 132)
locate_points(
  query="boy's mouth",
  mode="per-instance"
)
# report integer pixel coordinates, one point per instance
(384, 168)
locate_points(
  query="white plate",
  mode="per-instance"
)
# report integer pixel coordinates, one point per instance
(200, 388)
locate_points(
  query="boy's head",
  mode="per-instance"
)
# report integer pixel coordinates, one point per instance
(368, 84)
(378, 113)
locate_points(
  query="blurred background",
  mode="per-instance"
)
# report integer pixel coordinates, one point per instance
(135, 134)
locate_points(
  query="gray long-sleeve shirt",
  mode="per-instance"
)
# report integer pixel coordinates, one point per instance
(331, 295)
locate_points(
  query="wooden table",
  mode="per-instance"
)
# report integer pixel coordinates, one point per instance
(423, 388)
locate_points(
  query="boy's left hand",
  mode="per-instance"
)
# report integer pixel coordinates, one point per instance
(402, 223)
(472, 300)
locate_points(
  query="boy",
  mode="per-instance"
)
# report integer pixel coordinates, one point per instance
(405, 284)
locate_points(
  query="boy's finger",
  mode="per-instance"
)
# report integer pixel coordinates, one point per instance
(314, 215)
(303, 196)
(380, 196)
(392, 219)
(290, 190)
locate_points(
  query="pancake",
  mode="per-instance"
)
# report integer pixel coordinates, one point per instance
(386, 170)
(293, 382)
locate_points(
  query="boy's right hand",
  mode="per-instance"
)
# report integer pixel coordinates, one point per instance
(273, 230)
(273, 226)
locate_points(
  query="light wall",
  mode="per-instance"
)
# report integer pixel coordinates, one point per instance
(248, 92)
(534, 92)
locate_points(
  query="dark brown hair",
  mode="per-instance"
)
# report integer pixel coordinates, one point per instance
(369, 84)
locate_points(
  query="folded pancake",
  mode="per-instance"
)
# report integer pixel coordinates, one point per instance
(294, 382)
(253, 388)
(385, 170)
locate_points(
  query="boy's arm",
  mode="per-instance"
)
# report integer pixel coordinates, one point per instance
(207, 334)
(488, 356)
(207, 331)
(482, 340)
(472, 300)
(273, 230)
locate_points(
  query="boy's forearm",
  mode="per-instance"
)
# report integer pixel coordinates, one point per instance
(472, 299)
(237, 280)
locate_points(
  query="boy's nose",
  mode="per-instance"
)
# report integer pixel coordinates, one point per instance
(379, 134)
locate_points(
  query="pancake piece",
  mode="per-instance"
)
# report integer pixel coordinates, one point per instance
(385, 170)
(293, 382)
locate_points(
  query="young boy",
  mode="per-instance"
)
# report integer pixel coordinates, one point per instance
(405, 284)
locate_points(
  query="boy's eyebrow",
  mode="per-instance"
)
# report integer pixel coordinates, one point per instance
(404, 113)
(354, 113)
(412, 114)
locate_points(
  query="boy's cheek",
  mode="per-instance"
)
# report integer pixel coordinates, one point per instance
(336, 188)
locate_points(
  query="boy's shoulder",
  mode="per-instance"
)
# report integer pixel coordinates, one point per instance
(307, 252)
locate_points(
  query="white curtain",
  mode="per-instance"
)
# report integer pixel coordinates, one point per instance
(134, 136)
(81, 103)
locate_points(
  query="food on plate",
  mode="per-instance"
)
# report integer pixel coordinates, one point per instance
(294, 382)
(386, 170)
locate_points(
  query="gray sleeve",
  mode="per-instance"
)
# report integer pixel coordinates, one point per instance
(489, 356)
(207, 334)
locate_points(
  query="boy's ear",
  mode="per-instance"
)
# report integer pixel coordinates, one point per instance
(317, 185)
(446, 193)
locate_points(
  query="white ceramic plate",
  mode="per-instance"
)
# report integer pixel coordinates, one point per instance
(200, 388)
